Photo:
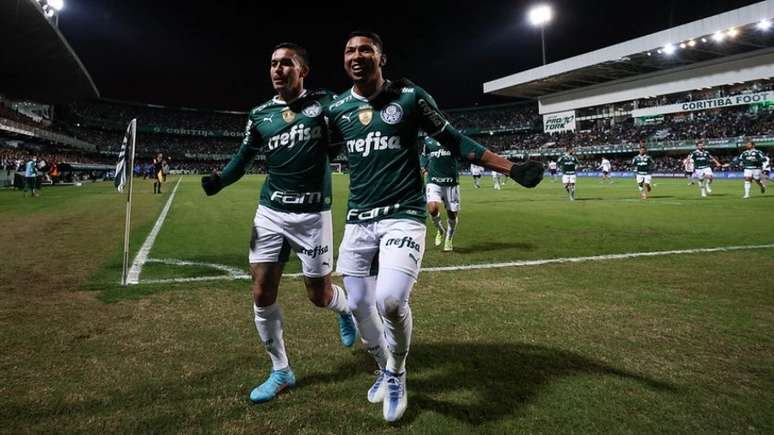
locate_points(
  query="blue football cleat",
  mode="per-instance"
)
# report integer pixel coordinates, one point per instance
(278, 381)
(347, 329)
(395, 399)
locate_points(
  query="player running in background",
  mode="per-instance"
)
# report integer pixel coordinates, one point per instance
(497, 180)
(159, 177)
(643, 167)
(552, 170)
(378, 122)
(294, 208)
(31, 177)
(442, 188)
(476, 171)
(605, 167)
(569, 164)
(688, 168)
(766, 170)
(752, 161)
(701, 162)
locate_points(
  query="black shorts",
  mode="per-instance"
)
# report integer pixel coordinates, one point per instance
(552, 171)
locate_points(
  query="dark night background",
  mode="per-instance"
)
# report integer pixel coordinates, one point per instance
(215, 55)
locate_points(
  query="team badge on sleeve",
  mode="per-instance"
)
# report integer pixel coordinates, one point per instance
(392, 114)
(313, 110)
(365, 115)
(288, 115)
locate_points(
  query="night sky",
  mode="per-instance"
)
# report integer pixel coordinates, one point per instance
(215, 55)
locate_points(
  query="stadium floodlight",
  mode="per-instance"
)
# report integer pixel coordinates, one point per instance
(691, 43)
(669, 49)
(732, 32)
(539, 16)
(703, 39)
(682, 45)
(57, 5)
(764, 25)
(718, 36)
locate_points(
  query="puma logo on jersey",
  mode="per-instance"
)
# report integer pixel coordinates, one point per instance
(297, 133)
(267, 118)
(405, 242)
(373, 141)
(347, 117)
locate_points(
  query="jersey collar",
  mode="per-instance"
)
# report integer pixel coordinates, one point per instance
(278, 100)
(362, 98)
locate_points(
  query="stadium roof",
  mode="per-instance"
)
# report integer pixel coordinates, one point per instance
(738, 29)
(38, 63)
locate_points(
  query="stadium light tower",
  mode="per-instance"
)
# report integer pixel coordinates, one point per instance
(540, 16)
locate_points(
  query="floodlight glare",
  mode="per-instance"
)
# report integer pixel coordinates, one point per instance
(718, 37)
(49, 13)
(669, 49)
(764, 25)
(703, 39)
(732, 32)
(682, 45)
(540, 15)
(56, 4)
(691, 43)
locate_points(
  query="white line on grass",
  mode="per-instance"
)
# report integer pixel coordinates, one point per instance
(523, 263)
(133, 277)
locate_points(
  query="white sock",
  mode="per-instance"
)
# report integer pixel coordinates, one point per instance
(747, 186)
(452, 224)
(268, 322)
(437, 222)
(361, 297)
(393, 288)
(338, 301)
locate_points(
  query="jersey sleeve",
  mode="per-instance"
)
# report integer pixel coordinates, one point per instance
(435, 124)
(244, 157)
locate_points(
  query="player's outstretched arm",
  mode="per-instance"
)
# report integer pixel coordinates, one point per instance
(236, 168)
(434, 123)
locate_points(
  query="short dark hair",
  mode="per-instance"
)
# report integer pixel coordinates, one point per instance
(300, 51)
(642, 147)
(368, 34)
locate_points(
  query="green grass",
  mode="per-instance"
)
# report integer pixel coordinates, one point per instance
(681, 344)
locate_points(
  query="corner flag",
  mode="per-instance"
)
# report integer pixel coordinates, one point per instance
(124, 172)
(122, 167)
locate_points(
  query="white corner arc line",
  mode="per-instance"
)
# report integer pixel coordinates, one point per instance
(133, 277)
(522, 263)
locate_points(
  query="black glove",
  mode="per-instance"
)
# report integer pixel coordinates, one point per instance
(528, 174)
(212, 184)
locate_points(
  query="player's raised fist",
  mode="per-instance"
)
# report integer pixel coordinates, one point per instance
(212, 184)
(528, 174)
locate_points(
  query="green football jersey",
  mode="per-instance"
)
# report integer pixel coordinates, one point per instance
(380, 136)
(440, 164)
(295, 141)
(568, 163)
(751, 159)
(701, 159)
(643, 165)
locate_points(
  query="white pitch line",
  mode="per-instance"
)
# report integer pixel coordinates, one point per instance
(133, 277)
(522, 263)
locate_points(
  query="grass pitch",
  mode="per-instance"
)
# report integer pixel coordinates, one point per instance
(681, 343)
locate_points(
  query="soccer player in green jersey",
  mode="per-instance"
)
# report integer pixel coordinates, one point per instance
(702, 171)
(442, 188)
(378, 122)
(752, 160)
(569, 164)
(294, 207)
(643, 168)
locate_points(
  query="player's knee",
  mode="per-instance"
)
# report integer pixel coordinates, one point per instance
(392, 308)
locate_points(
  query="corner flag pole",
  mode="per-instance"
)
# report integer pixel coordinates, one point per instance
(127, 223)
